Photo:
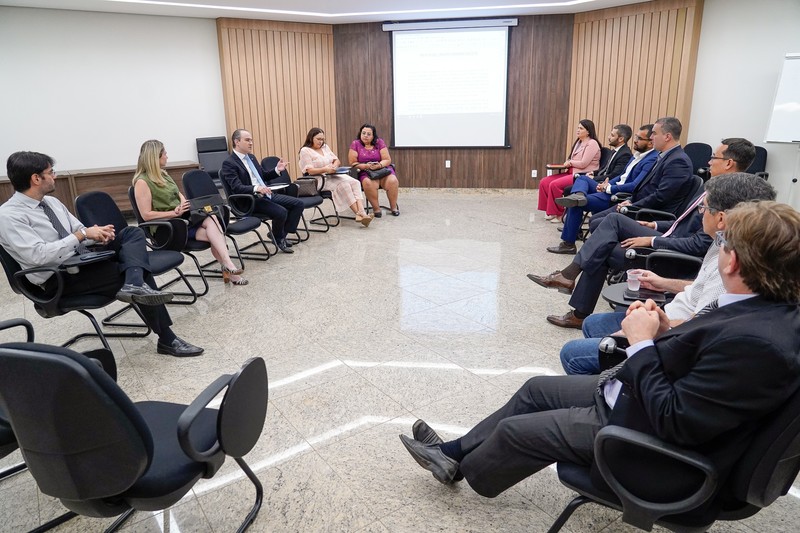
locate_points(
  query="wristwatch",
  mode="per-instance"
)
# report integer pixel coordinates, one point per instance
(83, 232)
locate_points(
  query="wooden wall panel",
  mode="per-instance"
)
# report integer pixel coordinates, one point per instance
(640, 61)
(278, 82)
(540, 59)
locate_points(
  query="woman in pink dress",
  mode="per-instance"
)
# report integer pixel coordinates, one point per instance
(369, 152)
(317, 159)
(585, 157)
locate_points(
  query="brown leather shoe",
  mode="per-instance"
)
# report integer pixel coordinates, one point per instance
(564, 247)
(566, 321)
(554, 281)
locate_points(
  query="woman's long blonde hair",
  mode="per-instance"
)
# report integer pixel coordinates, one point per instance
(148, 165)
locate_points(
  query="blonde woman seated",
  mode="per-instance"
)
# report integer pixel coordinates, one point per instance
(369, 152)
(317, 159)
(158, 198)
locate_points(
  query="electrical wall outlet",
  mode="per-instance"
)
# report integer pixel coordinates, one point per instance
(533, 173)
(446, 163)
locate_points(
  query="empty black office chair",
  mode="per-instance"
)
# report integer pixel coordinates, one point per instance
(268, 164)
(211, 152)
(759, 164)
(197, 183)
(103, 455)
(699, 153)
(8, 442)
(97, 207)
(174, 235)
(53, 305)
(655, 482)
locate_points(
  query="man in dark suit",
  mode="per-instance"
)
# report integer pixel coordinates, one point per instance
(666, 185)
(244, 175)
(589, 196)
(705, 385)
(621, 155)
(605, 248)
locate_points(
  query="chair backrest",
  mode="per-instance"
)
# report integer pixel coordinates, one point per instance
(10, 267)
(605, 155)
(759, 164)
(695, 188)
(268, 164)
(244, 408)
(699, 153)
(81, 436)
(211, 153)
(772, 460)
(198, 183)
(97, 207)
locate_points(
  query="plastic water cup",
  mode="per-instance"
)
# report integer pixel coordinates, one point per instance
(633, 279)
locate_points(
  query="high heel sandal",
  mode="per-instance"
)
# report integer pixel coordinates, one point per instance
(365, 219)
(228, 272)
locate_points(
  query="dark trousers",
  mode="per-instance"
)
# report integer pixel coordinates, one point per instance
(284, 211)
(107, 277)
(549, 419)
(595, 202)
(600, 252)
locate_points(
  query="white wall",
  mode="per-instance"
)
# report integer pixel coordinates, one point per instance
(89, 88)
(742, 45)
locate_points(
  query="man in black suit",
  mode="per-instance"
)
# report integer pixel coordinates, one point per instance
(705, 385)
(605, 248)
(244, 175)
(666, 185)
(618, 141)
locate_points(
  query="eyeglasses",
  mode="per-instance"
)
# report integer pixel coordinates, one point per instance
(719, 239)
(702, 208)
(51, 172)
(722, 158)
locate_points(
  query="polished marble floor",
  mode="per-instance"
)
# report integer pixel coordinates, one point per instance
(428, 315)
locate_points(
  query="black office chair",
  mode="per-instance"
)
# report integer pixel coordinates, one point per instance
(211, 153)
(97, 207)
(645, 214)
(103, 455)
(53, 305)
(268, 164)
(174, 235)
(759, 164)
(699, 153)
(655, 482)
(198, 183)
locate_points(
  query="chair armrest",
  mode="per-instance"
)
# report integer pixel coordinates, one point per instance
(191, 413)
(651, 215)
(14, 322)
(620, 196)
(158, 224)
(242, 205)
(679, 265)
(22, 283)
(636, 510)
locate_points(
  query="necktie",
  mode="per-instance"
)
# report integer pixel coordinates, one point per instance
(255, 174)
(685, 214)
(62, 232)
(707, 309)
(607, 375)
(608, 165)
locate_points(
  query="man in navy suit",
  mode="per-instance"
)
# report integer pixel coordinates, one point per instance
(706, 385)
(589, 196)
(244, 175)
(605, 248)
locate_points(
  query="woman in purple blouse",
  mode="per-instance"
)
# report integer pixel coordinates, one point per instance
(369, 152)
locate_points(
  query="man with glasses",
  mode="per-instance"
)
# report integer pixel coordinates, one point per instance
(589, 196)
(606, 246)
(706, 385)
(722, 194)
(38, 231)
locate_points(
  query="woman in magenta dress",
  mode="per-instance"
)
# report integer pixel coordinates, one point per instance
(369, 152)
(585, 157)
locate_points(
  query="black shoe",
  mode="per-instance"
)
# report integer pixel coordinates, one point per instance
(284, 247)
(378, 213)
(179, 348)
(573, 200)
(431, 458)
(143, 295)
(563, 247)
(424, 433)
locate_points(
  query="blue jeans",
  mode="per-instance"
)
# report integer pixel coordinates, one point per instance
(580, 356)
